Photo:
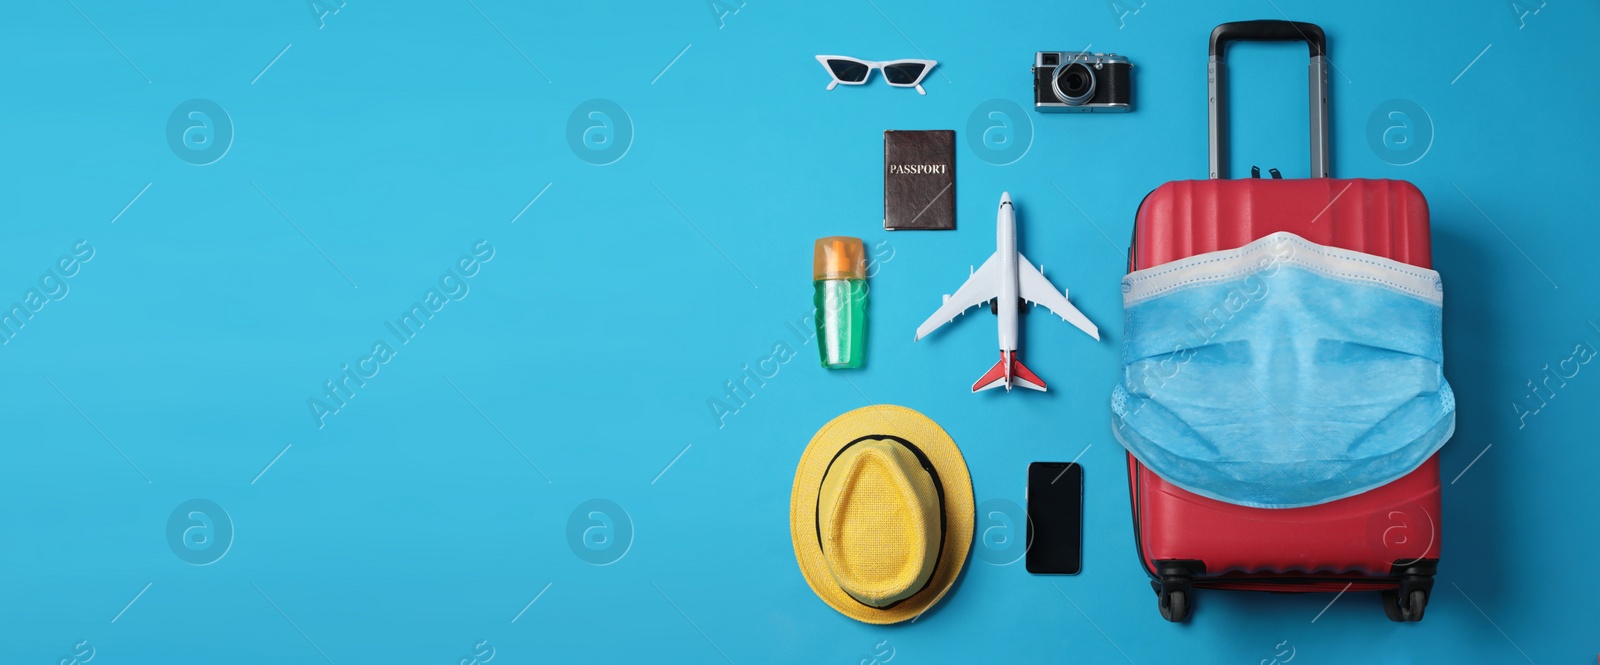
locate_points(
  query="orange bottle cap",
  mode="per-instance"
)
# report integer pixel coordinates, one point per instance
(839, 257)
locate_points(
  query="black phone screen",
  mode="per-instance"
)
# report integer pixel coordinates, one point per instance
(1055, 518)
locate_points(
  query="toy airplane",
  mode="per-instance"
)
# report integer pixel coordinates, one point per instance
(1006, 278)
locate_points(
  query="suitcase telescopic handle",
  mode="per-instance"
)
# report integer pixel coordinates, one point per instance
(1273, 31)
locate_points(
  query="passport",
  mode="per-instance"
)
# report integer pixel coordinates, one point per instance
(919, 179)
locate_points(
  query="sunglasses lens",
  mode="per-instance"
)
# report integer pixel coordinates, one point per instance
(848, 71)
(904, 73)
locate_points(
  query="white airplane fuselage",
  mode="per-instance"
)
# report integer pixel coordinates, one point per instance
(1006, 301)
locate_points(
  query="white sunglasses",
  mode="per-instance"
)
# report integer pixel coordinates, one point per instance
(855, 71)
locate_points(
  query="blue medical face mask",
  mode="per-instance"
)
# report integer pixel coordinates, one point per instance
(1283, 373)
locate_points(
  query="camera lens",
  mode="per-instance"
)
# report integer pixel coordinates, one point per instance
(1074, 83)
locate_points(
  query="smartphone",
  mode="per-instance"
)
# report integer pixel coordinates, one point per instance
(1055, 518)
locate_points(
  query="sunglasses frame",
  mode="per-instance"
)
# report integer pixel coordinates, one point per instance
(927, 66)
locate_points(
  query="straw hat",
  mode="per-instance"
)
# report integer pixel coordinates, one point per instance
(881, 515)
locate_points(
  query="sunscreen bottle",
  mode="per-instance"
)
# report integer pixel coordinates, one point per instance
(839, 274)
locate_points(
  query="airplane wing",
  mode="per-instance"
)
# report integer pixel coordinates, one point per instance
(1034, 288)
(983, 285)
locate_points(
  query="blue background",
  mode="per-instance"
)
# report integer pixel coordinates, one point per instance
(430, 519)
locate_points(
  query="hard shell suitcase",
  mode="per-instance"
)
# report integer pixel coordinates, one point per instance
(1386, 539)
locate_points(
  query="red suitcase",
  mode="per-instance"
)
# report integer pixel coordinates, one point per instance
(1386, 539)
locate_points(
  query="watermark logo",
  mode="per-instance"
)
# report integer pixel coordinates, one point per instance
(481, 652)
(1123, 9)
(599, 132)
(1524, 9)
(999, 132)
(1551, 381)
(453, 286)
(1407, 532)
(199, 531)
(1399, 132)
(600, 532)
(199, 132)
(52, 286)
(720, 9)
(1282, 653)
(1002, 532)
(82, 652)
(882, 653)
(322, 9)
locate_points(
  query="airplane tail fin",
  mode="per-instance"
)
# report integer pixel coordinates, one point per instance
(1025, 377)
(994, 378)
(999, 376)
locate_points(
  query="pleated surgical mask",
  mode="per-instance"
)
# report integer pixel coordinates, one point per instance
(1283, 373)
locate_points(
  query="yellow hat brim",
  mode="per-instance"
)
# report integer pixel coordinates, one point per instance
(941, 451)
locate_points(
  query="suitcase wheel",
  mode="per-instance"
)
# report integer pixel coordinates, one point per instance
(1409, 599)
(1174, 587)
(1174, 605)
(1411, 610)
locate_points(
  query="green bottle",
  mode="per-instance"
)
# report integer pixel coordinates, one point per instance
(839, 271)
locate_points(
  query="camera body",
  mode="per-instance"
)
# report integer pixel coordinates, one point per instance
(1082, 82)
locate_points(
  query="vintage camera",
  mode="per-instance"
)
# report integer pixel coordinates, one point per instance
(1081, 83)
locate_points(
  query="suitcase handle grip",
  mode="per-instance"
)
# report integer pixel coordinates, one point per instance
(1268, 31)
(1278, 31)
